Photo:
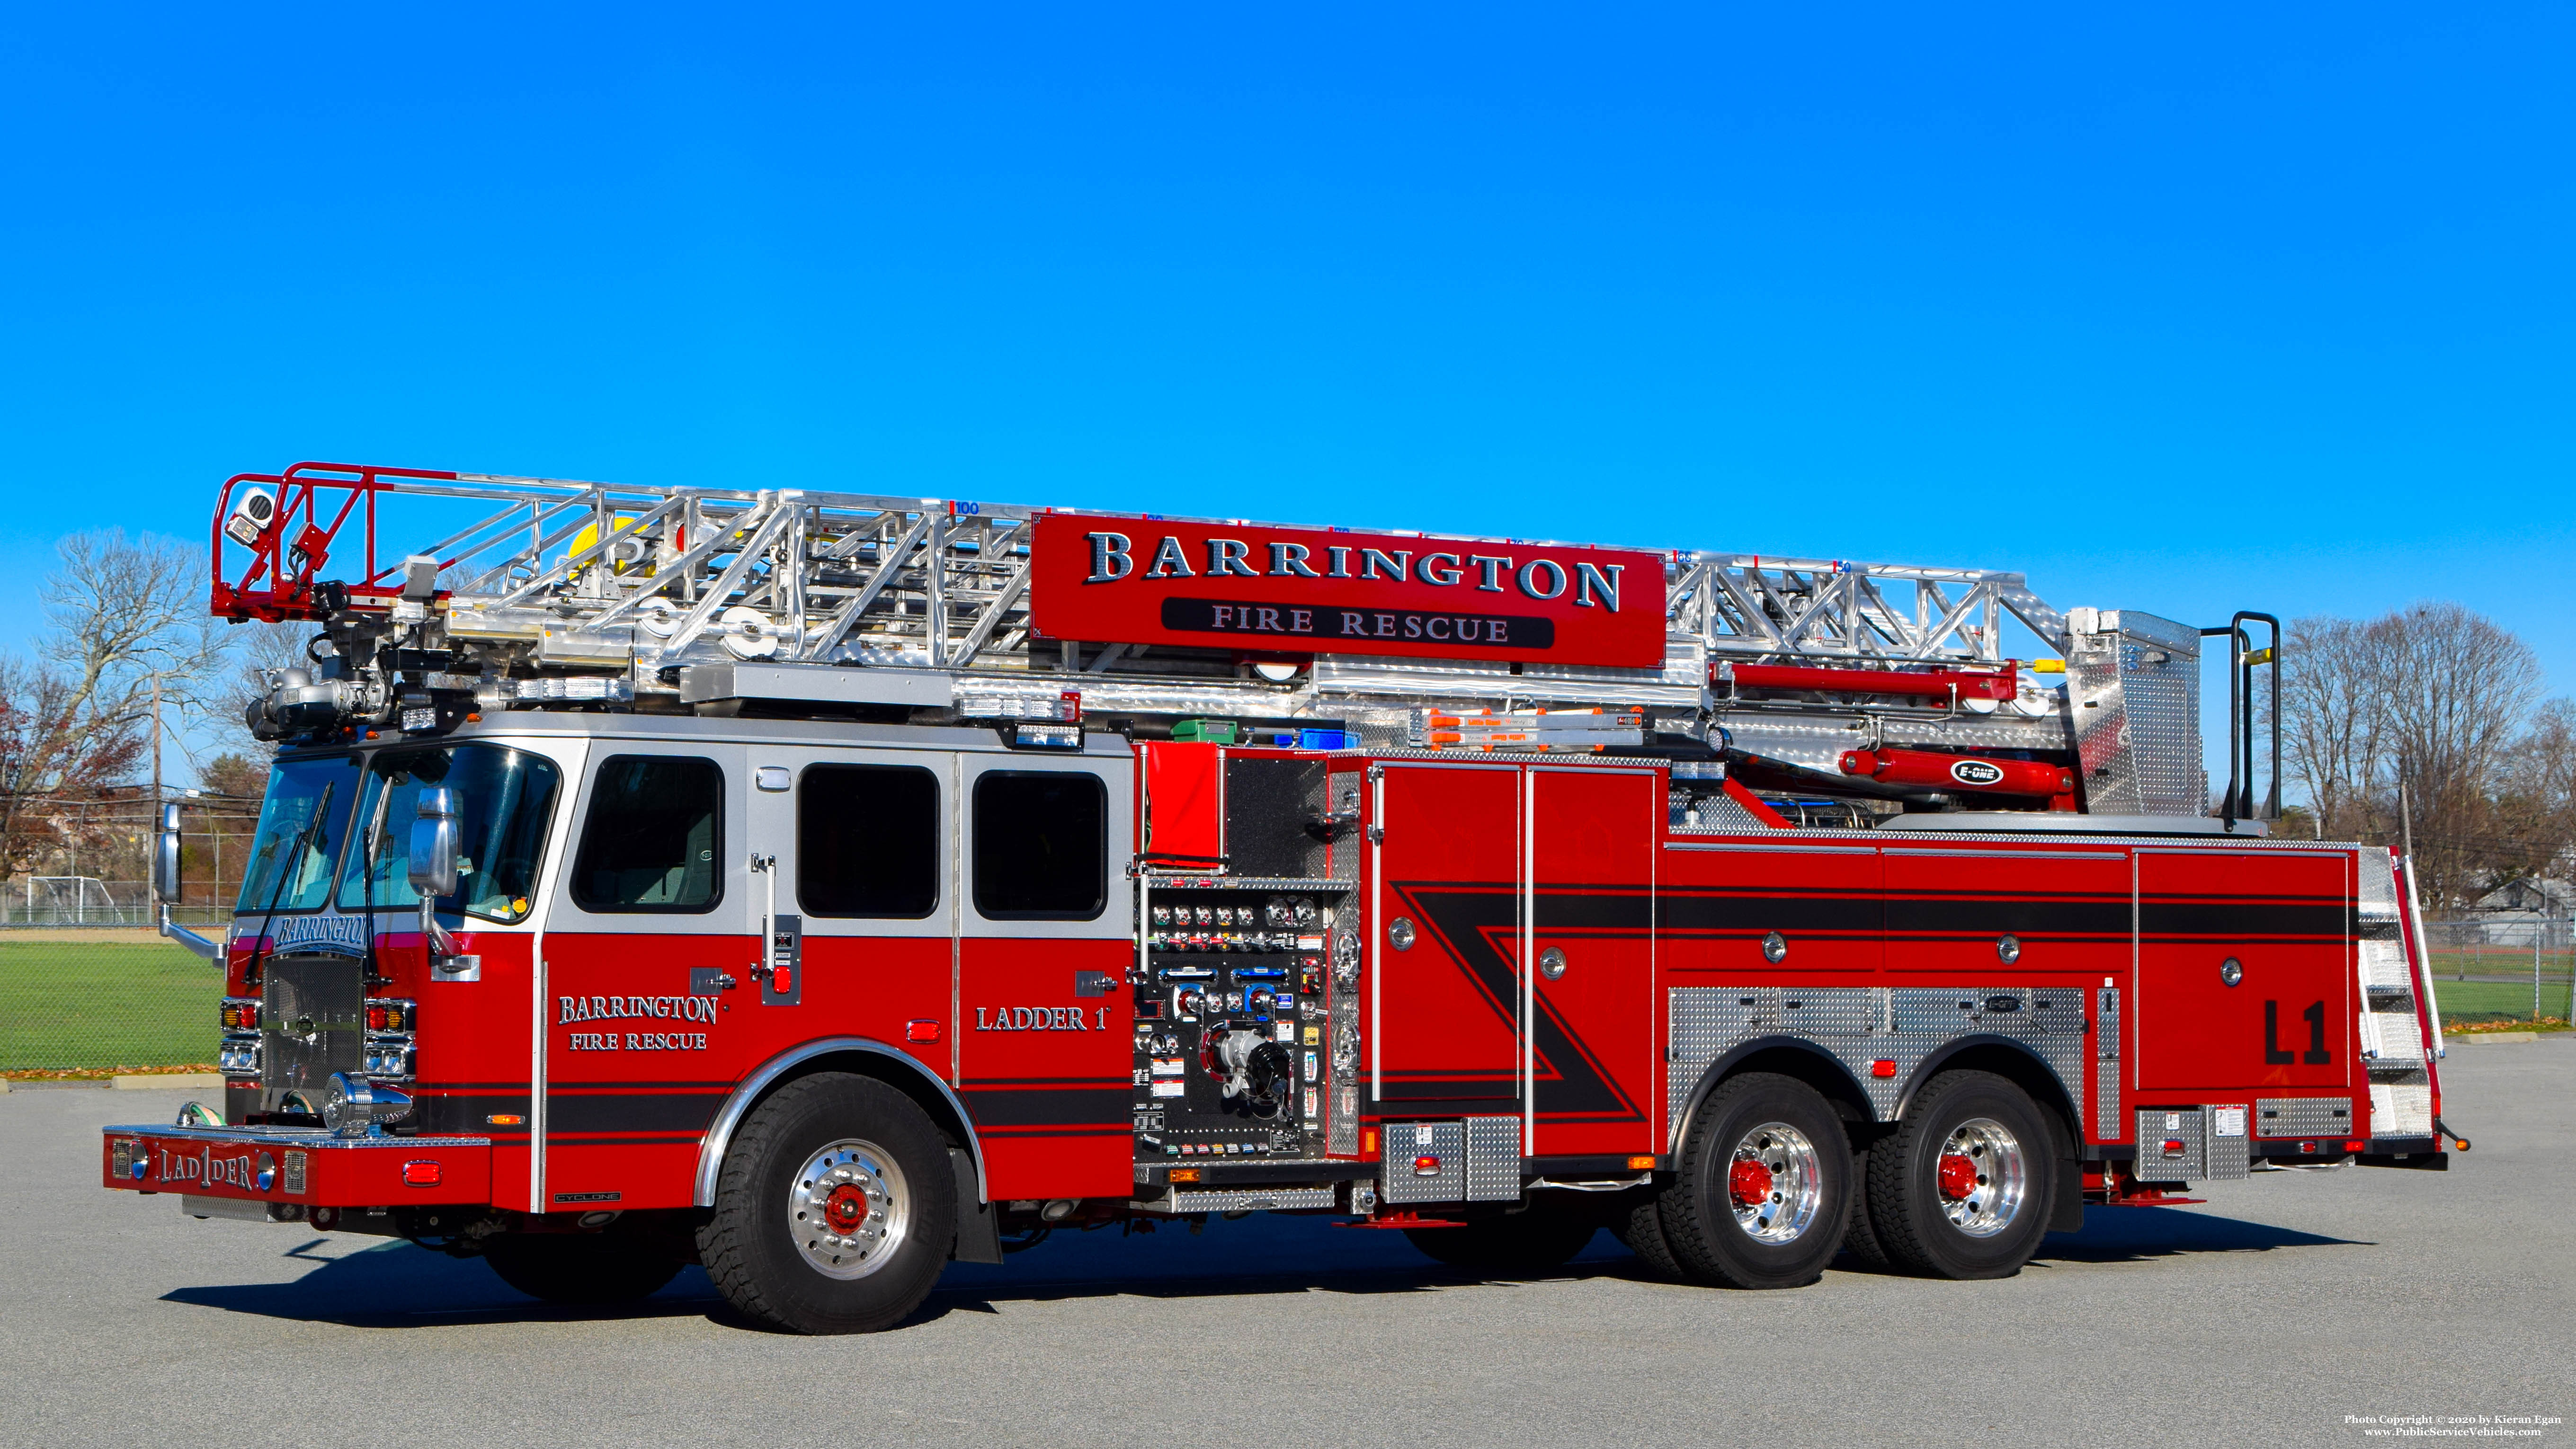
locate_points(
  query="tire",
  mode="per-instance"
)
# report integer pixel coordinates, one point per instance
(1643, 1231)
(1762, 1192)
(1534, 1240)
(1963, 1187)
(583, 1268)
(835, 1210)
(1860, 1238)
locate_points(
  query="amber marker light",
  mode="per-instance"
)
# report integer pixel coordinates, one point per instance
(1641, 1164)
(505, 1119)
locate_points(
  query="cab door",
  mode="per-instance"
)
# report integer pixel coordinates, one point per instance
(649, 1007)
(1046, 921)
(864, 840)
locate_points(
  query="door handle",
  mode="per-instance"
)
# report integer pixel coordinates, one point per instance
(1551, 963)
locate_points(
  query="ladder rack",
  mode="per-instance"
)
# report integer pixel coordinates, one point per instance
(573, 591)
(601, 574)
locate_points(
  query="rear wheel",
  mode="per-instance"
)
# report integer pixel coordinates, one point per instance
(835, 1209)
(1540, 1237)
(1962, 1188)
(1643, 1231)
(1861, 1238)
(589, 1268)
(1762, 1192)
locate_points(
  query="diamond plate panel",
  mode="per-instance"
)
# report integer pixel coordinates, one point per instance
(2228, 1151)
(2106, 1064)
(2400, 1040)
(2133, 686)
(2378, 886)
(1919, 1012)
(1248, 1199)
(2401, 1109)
(1853, 1024)
(2171, 1145)
(1341, 1073)
(1493, 1159)
(2383, 968)
(2057, 1010)
(1405, 1142)
(2303, 1117)
(1835, 1012)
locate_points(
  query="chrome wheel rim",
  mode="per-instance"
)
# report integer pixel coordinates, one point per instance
(1775, 1181)
(848, 1209)
(1982, 1177)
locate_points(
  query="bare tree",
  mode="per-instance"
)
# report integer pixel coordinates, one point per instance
(2535, 804)
(129, 629)
(2456, 689)
(2435, 701)
(2331, 717)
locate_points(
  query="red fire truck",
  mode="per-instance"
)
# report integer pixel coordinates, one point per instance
(823, 888)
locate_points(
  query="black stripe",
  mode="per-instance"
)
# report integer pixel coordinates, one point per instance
(1053, 1107)
(2022, 916)
(689, 1112)
(2233, 919)
(662, 1140)
(437, 1114)
(1860, 915)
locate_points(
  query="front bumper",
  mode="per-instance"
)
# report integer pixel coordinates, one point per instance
(296, 1166)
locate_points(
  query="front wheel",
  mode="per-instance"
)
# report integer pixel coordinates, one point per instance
(1962, 1188)
(835, 1209)
(1762, 1191)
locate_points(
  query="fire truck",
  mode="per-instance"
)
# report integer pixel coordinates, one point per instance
(824, 888)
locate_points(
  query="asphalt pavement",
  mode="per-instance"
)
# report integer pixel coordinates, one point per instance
(2287, 1308)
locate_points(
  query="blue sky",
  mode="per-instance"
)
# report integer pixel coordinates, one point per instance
(2183, 311)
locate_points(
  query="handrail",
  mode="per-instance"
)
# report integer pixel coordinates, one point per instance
(2242, 660)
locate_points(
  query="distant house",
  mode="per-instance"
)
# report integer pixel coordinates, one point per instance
(2534, 909)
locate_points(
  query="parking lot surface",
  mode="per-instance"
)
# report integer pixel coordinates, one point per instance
(2288, 1306)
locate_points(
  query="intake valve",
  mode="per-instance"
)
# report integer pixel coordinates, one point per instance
(1250, 1068)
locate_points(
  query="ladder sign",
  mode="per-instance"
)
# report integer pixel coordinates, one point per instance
(1302, 591)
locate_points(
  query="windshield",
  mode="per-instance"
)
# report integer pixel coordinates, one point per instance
(504, 798)
(300, 824)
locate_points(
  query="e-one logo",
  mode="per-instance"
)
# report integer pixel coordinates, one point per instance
(1976, 772)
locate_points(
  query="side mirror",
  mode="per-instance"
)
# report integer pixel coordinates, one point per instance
(433, 845)
(165, 859)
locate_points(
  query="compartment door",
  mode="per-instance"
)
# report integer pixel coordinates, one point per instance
(1446, 989)
(2284, 918)
(1592, 836)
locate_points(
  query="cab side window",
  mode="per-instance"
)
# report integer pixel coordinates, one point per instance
(1041, 845)
(867, 841)
(654, 838)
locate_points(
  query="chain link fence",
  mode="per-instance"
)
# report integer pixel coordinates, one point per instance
(2501, 966)
(103, 998)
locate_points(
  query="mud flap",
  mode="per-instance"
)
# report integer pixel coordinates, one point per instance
(2067, 1214)
(979, 1228)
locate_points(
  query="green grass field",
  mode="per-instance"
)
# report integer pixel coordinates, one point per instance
(74, 1005)
(2467, 1001)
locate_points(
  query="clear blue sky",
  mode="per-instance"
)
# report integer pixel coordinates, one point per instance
(2182, 311)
